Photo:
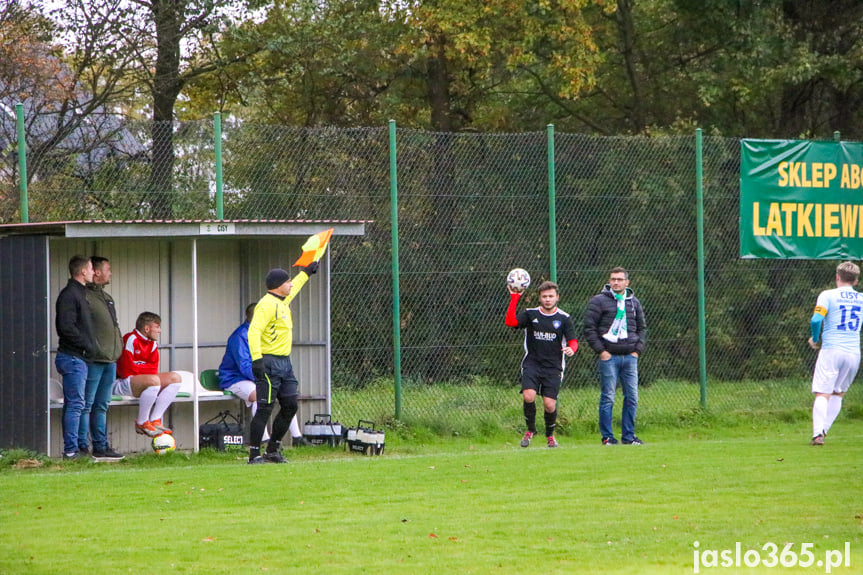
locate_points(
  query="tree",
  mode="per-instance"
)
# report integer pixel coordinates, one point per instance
(65, 94)
(446, 65)
(322, 63)
(24, 49)
(748, 68)
(471, 59)
(160, 44)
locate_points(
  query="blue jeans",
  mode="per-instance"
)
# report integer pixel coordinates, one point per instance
(74, 372)
(97, 395)
(625, 369)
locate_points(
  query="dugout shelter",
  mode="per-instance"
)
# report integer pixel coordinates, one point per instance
(198, 275)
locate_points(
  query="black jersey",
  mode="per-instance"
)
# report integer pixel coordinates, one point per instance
(545, 336)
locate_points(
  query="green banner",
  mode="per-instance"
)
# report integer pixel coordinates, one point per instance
(801, 200)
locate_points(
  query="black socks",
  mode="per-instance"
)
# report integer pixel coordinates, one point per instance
(550, 422)
(530, 416)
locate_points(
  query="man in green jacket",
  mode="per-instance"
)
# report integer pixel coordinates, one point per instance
(102, 367)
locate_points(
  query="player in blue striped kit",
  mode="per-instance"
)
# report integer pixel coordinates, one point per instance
(835, 327)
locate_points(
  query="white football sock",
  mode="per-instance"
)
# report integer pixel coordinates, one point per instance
(164, 400)
(819, 414)
(834, 404)
(145, 403)
(295, 428)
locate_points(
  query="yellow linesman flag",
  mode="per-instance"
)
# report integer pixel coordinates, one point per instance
(314, 248)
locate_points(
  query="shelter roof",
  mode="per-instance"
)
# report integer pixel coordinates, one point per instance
(184, 228)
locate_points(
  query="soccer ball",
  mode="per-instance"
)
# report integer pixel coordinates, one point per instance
(164, 443)
(518, 279)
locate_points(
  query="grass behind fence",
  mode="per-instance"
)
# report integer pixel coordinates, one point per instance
(454, 506)
(455, 409)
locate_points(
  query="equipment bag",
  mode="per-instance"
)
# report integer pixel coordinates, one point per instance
(322, 430)
(365, 439)
(222, 430)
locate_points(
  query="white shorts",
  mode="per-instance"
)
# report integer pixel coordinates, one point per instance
(834, 371)
(243, 389)
(122, 387)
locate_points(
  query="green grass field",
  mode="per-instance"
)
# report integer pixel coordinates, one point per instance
(455, 505)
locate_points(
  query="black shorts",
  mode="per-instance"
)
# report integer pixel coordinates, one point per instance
(544, 380)
(280, 381)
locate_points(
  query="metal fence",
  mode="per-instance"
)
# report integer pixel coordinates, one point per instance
(471, 207)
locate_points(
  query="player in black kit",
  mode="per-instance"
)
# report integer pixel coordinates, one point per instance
(549, 337)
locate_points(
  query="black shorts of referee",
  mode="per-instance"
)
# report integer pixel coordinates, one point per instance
(280, 381)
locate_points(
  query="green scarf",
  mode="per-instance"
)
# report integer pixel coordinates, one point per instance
(618, 326)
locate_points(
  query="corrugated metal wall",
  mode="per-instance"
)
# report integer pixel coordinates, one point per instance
(24, 354)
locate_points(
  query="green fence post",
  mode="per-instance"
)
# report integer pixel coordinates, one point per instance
(217, 139)
(702, 327)
(394, 224)
(552, 208)
(836, 136)
(22, 163)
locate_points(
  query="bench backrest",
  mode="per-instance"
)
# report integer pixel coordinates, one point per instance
(210, 379)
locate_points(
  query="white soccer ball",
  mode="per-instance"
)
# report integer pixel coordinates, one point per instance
(518, 279)
(164, 443)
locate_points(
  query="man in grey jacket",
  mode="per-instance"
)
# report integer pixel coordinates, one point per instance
(615, 328)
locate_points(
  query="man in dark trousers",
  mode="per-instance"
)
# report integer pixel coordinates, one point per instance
(616, 330)
(75, 347)
(270, 339)
(235, 375)
(549, 337)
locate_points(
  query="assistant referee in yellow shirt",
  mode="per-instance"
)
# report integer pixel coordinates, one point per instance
(270, 335)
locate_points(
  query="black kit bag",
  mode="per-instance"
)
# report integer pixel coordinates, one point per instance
(221, 431)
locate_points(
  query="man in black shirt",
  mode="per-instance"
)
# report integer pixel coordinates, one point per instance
(549, 337)
(75, 347)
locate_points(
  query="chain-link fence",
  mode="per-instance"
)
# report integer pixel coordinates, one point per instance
(471, 207)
